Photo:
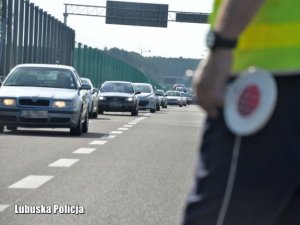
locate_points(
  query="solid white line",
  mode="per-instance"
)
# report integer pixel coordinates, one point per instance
(116, 132)
(98, 142)
(64, 163)
(84, 151)
(128, 126)
(31, 182)
(122, 128)
(3, 207)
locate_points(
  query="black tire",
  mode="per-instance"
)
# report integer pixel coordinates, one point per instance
(1, 128)
(95, 114)
(85, 124)
(90, 113)
(100, 111)
(165, 105)
(135, 112)
(157, 107)
(180, 105)
(153, 110)
(77, 131)
(12, 128)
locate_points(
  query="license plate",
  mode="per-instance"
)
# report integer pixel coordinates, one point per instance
(34, 114)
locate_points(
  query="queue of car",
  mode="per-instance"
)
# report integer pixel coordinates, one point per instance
(55, 96)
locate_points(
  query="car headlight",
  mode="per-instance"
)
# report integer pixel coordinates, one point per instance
(129, 99)
(9, 102)
(61, 104)
(101, 98)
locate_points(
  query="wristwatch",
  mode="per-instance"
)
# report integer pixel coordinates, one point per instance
(215, 41)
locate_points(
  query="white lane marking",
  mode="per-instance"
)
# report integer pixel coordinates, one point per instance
(132, 123)
(31, 182)
(3, 207)
(123, 128)
(141, 118)
(127, 125)
(64, 163)
(116, 132)
(147, 114)
(108, 137)
(98, 142)
(84, 151)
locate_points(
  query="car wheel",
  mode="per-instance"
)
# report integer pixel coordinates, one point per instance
(1, 128)
(85, 125)
(11, 128)
(95, 114)
(135, 112)
(91, 113)
(153, 110)
(78, 129)
(158, 107)
(180, 105)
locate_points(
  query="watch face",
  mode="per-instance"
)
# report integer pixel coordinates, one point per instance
(210, 39)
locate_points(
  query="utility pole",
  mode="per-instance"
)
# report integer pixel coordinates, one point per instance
(142, 51)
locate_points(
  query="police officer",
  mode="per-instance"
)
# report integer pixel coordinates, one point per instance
(266, 188)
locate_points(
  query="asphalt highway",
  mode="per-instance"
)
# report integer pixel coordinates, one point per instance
(124, 171)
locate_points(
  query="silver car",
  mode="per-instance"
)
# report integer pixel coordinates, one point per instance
(93, 98)
(41, 95)
(175, 98)
(147, 98)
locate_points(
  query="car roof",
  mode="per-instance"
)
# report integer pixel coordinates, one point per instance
(46, 66)
(116, 81)
(143, 84)
(174, 91)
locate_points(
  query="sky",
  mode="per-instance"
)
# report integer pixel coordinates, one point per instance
(185, 40)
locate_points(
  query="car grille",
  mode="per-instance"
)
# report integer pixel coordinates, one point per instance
(8, 118)
(34, 120)
(115, 99)
(60, 120)
(143, 103)
(34, 102)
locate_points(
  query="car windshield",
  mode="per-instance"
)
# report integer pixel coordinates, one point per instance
(143, 88)
(173, 93)
(159, 93)
(41, 77)
(117, 87)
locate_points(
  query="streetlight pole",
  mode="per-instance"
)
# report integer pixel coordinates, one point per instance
(142, 51)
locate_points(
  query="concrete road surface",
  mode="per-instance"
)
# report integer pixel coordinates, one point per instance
(125, 171)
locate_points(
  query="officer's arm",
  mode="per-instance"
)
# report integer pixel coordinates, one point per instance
(234, 15)
(211, 76)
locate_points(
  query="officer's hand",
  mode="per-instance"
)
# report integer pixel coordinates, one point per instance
(210, 80)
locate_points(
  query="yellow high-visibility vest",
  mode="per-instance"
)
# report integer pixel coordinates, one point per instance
(271, 40)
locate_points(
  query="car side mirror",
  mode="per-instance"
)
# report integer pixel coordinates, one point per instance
(85, 87)
(138, 92)
(95, 90)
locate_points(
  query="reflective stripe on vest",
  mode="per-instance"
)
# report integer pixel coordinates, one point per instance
(272, 39)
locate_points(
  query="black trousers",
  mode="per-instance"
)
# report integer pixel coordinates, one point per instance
(266, 190)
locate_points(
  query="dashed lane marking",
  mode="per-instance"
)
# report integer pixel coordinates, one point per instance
(98, 142)
(123, 128)
(3, 207)
(108, 136)
(31, 182)
(127, 125)
(133, 123)
(116, 132)
(84, 151)
(64, 163)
